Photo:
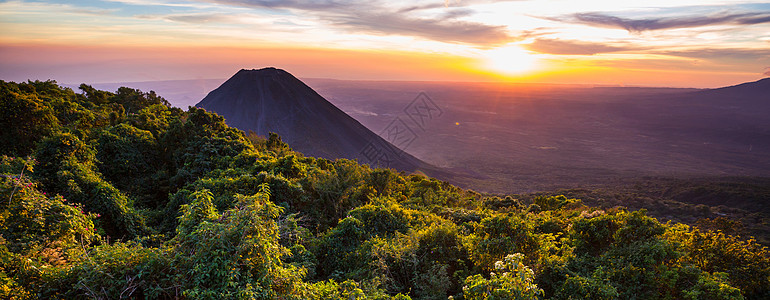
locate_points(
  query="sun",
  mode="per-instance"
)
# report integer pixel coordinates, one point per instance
(509, 60)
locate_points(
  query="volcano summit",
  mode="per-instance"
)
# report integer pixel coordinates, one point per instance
(272, 100)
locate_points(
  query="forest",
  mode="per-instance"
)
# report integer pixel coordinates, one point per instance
(113, 195)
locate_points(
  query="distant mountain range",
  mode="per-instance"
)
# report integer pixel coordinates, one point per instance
(272, 100)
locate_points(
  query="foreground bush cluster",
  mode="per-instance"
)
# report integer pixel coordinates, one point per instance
(117, 195)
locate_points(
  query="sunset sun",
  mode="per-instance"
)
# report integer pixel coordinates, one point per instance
(509, 60)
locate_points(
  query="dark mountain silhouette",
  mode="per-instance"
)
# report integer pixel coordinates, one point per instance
(272, 100)
(750, 94)
(759, 88)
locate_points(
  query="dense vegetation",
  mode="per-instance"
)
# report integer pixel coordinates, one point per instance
(734, 205)
(118, 195)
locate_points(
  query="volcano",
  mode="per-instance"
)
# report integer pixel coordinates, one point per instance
(272, 100)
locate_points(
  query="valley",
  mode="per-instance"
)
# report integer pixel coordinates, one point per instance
(524, 138)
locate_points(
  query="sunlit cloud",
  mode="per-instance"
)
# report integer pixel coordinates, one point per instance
(373, 17)
(732, 54)
(639, 25)
(569, 47)
(439, 30)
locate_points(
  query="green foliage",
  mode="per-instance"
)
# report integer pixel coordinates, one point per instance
(93, 95)
(554, 202)
(35, 221)
(200, 143)
(626, 256)
(741, 200)
(113, 271)
(125, 197)
(515, 281)
(333, 192)
(595, 235)
(713, 287)
(386, 182)
(24, 118)
(154, 118)
(128, 157)
(508, 203)
(223, 186)
(134, 100)
(578, 287)
(200, 210)
(746, 263)
(338, 251)
(348, 289)
(430, 262)
(36, 230)
(494, 237)
(384, 219)
(67, 168)
(236, 255)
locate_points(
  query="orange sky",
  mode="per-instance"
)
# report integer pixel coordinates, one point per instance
(664, 43)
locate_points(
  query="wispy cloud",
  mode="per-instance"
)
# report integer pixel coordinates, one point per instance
(421, 7)
(767, 71)
(92, 11)
(275, 23)
(375, 17)
(570, 47)
(443, 30)
(186, 4)
(647, 24)
(314, 5)
(37, 7)
(191, 18)
(723, 54)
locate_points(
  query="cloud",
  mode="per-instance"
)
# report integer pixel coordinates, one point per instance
(767, 71)
(421, 7)
(723, 54)
(314, 5)
(195, 18)
(639, 25)
(92, 11)
(568, 47)
(162, 3)
(390, 19)
(443, 30)
(19, 7)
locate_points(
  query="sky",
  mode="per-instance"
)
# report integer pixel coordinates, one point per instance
(676, 43)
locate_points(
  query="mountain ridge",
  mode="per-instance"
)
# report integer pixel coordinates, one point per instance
(750, 90)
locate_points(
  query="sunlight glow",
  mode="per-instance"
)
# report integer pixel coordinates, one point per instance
(509, 60)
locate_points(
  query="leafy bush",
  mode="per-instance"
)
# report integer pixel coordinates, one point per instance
(498, 235)
(515, 281)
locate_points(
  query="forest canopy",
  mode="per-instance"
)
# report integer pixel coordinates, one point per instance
(119, 195)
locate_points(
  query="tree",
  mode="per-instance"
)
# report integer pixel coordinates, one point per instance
(24, 120)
